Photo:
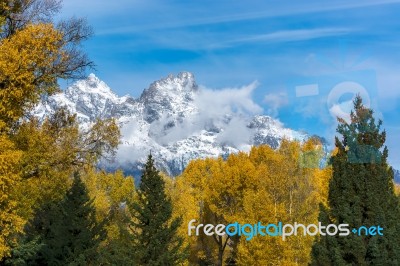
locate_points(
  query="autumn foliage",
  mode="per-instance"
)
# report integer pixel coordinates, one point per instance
(265, 185)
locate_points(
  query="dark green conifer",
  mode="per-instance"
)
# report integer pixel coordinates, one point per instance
(155, 234)
(68, 231)
(361, 193)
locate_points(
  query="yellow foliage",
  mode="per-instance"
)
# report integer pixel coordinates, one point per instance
(110, 193)
(53, 151)
(186, 206)
(397, 189)
(109, 190)
(289, 190)
(10, 222)
(37, 159)
(48, 162)
(27, 60)
(269, 186)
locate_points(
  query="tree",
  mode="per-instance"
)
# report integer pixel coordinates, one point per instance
(216, 187)
(361, 193)
(35, 53)
(37, 158)
(110, 193)
(266, 185)
(17, 14)
(397, 189)
(11, 221)
(52, 151)
(155, 238)
(67, 230)
(31, 61)
(288, 187)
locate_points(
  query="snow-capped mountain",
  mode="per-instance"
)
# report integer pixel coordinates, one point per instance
(396, 176)
(173, 119)
(89, 99)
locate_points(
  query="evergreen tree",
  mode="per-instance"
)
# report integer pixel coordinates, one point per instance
(68, 231)
(155, 235)
(361, 193)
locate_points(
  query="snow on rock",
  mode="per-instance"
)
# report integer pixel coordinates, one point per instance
(167, 121)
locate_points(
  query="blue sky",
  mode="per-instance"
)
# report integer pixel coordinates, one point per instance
(323, 49)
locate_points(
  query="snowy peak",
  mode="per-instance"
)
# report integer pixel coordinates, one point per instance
(92, 85)
(181, 83)
(93, 99)
(170, 97)
(90, 98)
(180, 86)
(92, 79)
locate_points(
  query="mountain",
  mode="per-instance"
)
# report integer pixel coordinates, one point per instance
(396, 176)
(174, 119)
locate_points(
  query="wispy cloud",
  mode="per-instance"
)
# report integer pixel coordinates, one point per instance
(269, 10)
(291, 35)
(198, 42)
(275, 101)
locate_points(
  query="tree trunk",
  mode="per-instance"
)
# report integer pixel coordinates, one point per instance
(220, 256)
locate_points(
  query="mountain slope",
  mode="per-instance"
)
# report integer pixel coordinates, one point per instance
(396, 176)
(174, 119)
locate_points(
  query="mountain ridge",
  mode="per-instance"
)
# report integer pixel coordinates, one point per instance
(174, 118)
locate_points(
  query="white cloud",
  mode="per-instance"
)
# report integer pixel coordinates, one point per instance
(228, 100)
(236, 133)
(293, 35)
(225, 110)
(342, 110)
(275, 101)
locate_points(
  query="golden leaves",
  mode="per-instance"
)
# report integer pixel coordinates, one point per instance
(10, 222)
(26, 62)
(266, 185)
